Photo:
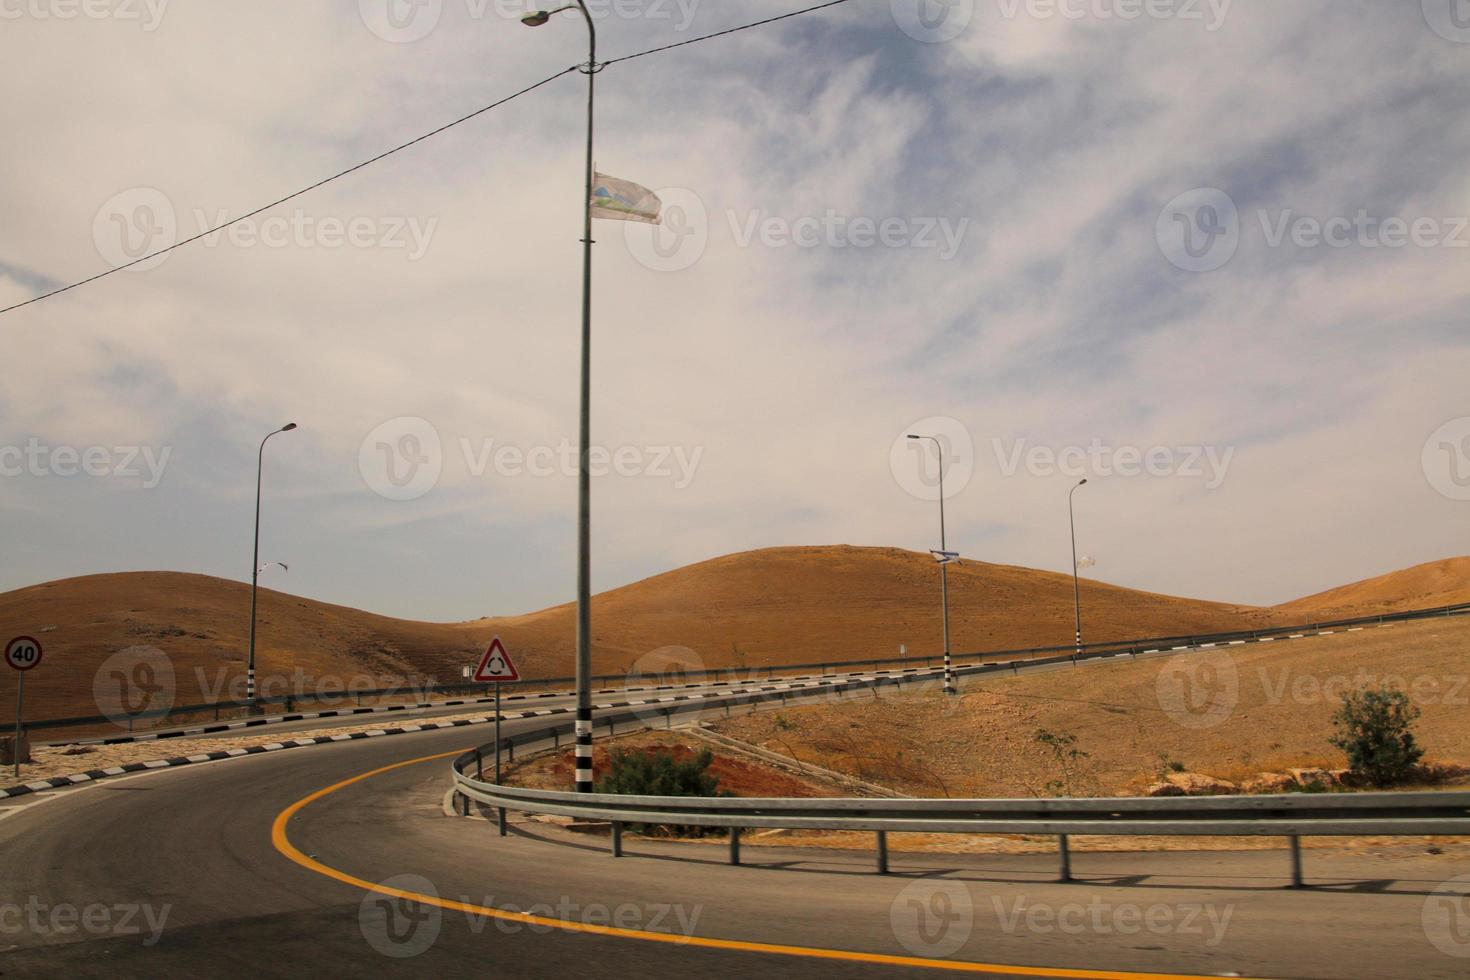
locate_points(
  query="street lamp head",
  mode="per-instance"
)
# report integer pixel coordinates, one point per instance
(916, 437)
(537, 19)
(1082, 482)
(288, 426)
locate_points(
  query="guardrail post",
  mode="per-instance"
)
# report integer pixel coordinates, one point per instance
(734, 845)
(617, 838)
(1064, 851)
(500, 819)
(1296, 861)
(882, 852)
(479, 766)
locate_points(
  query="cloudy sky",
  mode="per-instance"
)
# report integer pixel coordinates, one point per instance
(1211, 255)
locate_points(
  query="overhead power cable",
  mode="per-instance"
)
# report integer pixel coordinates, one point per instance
(403, 146)
(731, 30)
(291, 196)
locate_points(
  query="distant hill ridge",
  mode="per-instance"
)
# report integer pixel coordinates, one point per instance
(772, 606)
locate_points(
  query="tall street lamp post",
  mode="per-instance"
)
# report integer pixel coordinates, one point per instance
(944, 560)
(255, 564)
(584, 476)
(1076, 590)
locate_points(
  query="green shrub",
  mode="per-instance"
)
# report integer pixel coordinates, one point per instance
(1374, 729)
(658, 772)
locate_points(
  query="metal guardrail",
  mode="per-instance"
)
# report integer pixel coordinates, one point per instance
(1293, 815)
(1098, 649)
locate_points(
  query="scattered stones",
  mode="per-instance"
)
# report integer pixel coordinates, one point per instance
(1164, 789)
(1270, 782)
(1198, 784)
(1312, 776)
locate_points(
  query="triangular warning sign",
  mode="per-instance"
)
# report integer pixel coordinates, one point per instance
(495, 665)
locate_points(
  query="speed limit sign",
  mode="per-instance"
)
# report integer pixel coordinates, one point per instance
(23, 653)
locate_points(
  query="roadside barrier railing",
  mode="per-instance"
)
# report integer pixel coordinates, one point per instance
(422, 693)
(1288, 815)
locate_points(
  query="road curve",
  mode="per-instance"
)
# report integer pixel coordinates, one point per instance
(213, 890)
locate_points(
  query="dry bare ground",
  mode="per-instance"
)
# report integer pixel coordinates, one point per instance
(1260, 707)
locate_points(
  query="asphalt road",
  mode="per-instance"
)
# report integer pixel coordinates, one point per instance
(176, 873)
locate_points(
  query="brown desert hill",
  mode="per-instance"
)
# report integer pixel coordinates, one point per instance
(774, 606)
(1437, 583)
(768, 607)
(834, 603)
(202, 624)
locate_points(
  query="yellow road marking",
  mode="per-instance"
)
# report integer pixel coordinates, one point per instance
(283, 844)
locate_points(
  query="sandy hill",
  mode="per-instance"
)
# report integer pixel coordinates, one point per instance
(1437, 583)
(202, 623)
(1239, 712)
(774, 606)
(783, 605)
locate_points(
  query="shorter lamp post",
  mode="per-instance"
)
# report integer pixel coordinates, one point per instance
(1076, 589)
(255, 564)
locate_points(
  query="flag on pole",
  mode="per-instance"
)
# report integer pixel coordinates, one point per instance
(623, 200)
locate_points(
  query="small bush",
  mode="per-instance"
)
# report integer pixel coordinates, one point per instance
(659, 773)
(1375, 730)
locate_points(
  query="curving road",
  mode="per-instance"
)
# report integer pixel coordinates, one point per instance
(262, 865)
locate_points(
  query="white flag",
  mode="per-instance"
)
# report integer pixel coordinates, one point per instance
(623, 200)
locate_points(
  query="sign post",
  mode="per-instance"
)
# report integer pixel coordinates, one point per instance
(495, 667)
(22, 654)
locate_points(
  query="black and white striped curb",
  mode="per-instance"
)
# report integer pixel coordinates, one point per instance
(834, 683)
(230, 726)
(58, 782)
